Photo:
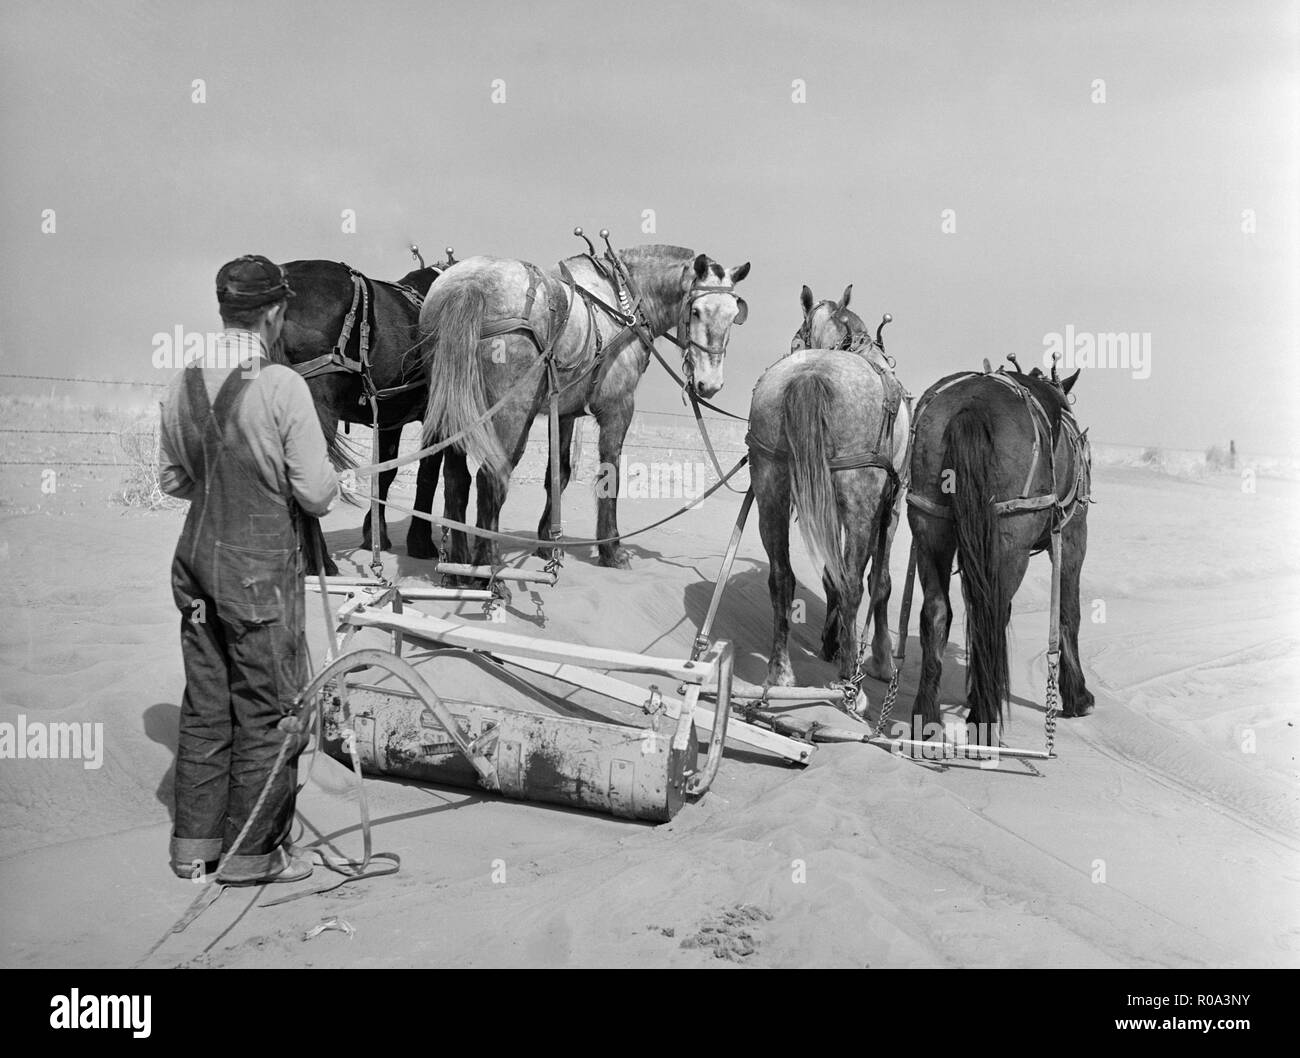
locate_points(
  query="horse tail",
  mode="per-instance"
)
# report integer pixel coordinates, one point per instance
(340, 452)
(805, 409)
(969, 453)
(457, 390)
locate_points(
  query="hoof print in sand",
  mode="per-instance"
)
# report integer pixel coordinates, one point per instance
(729, 935)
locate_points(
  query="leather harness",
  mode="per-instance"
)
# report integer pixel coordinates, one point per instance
(1078, 493)
(338, 362)
(877, 456)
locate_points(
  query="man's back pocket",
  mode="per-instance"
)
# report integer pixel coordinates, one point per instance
(251, 583)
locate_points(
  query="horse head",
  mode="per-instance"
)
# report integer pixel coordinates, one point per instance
(708, 309)
(830, 324)
(420, 280)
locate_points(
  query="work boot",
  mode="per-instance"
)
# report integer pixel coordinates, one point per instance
(297, 866)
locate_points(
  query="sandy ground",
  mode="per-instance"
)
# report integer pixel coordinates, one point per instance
(1166, 834)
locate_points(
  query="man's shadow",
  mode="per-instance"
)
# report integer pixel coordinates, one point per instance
(162, 723)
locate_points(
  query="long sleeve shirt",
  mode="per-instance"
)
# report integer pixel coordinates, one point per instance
(277, 420)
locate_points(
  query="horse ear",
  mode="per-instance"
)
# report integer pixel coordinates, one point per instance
(738, 273)
(701, 266)
(742, 313)
(806, 299)
(1068, 384)
(844, 301)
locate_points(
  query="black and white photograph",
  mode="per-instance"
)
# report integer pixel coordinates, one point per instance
(666, 485)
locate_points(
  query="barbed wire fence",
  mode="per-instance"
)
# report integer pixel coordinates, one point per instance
(137, 446)
(648, 434)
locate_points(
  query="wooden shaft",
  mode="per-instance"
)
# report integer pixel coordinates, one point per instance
(474, 637)
(414, 592)
(724, 574)
(961, 751)
(755, 692)
(631, 694)
(526, 576)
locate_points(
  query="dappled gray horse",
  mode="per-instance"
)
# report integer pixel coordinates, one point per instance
(504, 334)
(828, 437)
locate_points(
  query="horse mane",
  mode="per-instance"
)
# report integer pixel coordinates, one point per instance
(661, 267)
(421, 279)
(660, 251)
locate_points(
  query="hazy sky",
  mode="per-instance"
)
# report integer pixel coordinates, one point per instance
(1119, 216)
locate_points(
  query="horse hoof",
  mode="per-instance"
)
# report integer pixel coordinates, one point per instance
(780, 675)
(829, 653)
(420, 548)
(883, 673)
(621, 559)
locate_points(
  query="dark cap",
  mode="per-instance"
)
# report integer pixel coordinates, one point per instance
(250, 282)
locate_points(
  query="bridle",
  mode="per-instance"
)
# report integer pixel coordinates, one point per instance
(683, 340)
(854, 341)
(633, 315)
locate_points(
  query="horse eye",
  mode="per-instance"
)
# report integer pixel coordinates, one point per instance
(695, 313)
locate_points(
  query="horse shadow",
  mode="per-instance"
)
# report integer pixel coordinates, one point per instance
(751, 640)
(345, 544)
(746, 597)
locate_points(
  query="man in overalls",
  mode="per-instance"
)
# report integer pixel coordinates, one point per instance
(240, 439)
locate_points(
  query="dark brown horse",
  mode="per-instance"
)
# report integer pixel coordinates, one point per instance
(493, 323)
(324, 293)
(828, 439)
(998, 462)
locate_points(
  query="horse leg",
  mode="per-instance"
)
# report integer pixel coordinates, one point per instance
(1076, 699)
(455, 501)
(389, 440)
(831, 628)
(566, 469)
(314, 544)
(935, 546)
(772, 491)
(1014, 561)
(862, 524)
(492, 490)
(419, 537)
(880, 666)
(613, 424)
(489, 497)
